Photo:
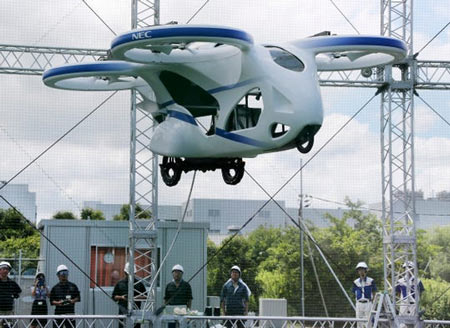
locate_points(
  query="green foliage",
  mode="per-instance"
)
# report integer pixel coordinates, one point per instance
(440, 259)
(64, 215)
(13, 225)
(436, 299)
(91, 214)
(29, 246)
(279, 273)
(17, 234)
(270, 260)
(124, 214)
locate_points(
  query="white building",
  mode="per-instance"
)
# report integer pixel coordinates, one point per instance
(225, 215)
(21, 198)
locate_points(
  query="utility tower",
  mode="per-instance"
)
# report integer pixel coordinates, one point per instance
(397, 85)
(397, 159)
(143, 184)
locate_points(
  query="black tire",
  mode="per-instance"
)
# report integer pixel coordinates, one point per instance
(305, 144)
(232, 174)
(171, 170)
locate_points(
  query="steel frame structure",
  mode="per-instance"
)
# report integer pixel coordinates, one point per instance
(397, 137)
(397, 160)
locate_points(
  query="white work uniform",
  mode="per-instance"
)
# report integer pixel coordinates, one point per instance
(363, 290)
(405, 286)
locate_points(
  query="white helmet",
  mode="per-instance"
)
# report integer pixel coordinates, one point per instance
(235, 267)
(60, 268)
(5, 264)
(408, 264)
(127, 268)
(362, 265)
(177, 267)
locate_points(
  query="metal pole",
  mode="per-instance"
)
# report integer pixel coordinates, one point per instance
(20, 268)
(308, 233)
(317, 278)
(300, 217)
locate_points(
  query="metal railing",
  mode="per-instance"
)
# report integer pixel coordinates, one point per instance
(57, 321)
(112, 321)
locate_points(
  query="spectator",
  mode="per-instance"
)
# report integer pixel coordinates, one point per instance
(178, 291)
(364, 289)
(9, 290)
(405, 288)
(234, 298)
(63, 296)
(40, 294)
(120, 293)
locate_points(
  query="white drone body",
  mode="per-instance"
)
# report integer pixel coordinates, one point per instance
(256, 98)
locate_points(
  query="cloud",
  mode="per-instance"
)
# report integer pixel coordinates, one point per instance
(92, 163)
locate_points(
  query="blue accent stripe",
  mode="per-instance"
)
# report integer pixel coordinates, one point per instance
(182, 117)
(219, 132)
(239, 138)
(84, 68)
(354, 40)
(185, 31)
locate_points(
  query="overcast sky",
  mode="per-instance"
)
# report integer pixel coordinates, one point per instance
(92, 162)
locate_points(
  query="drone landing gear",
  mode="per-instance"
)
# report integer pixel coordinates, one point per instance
(172, 167)
(305, 140)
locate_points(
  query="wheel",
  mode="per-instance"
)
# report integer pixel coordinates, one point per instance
(305, 143)
(171, 170)
(232, 174)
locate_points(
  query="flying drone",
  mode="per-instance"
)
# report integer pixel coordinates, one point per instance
(217, 97)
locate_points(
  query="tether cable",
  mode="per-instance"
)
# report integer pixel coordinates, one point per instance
(180, 223)
(434, 37)
(348, 21)
(227, 241)
(298, 171)
(434, 111)
(198, 10)
(58, 140)
(98, 16)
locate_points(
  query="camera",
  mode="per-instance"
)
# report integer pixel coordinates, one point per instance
(41, 282)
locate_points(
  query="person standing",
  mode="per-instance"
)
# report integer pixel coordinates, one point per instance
(234, 298)
(40, 294)
(9, 290)
(364, 289)
(178, 291)
(405, 288)
(120, 293)
(63, 296)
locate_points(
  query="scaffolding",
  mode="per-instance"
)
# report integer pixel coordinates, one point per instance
(397, 138)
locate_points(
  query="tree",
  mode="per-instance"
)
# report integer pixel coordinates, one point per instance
(436, 299)
(14, 225)
(124, 214)
(440, 260)
(234, 253)
(17, 234)
(64, 215)
(91, 214)
(29, 245)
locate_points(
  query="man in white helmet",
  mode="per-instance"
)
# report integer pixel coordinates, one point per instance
(178, 291)
(9, 290)
(234, 297)
(364, 289)
(120, 293)
(63, 296)
(405, 289)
